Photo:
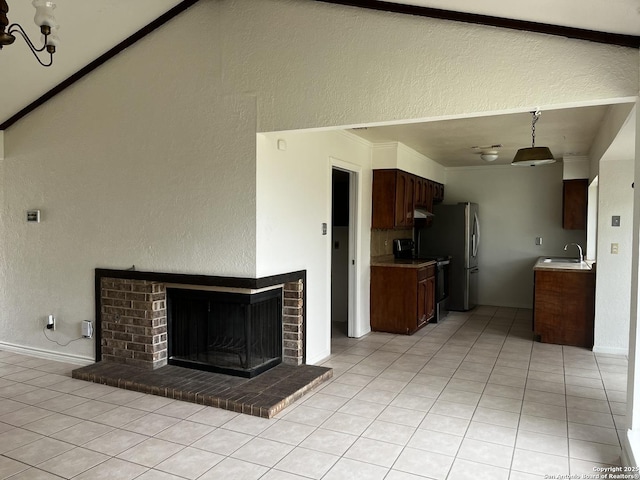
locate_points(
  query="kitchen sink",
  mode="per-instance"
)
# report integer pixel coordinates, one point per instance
(561, 260)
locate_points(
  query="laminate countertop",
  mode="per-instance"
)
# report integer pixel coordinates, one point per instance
(390, 261)
(560, 264)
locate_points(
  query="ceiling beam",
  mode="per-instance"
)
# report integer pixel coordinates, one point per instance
(143, 32)
(619, 39)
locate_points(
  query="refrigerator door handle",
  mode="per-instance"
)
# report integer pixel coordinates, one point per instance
(476, 234)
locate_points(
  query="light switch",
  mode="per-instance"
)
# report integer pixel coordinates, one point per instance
(33, 216)
(615, 221)
(614, 248)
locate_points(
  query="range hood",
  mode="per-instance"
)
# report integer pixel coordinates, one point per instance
(420, 212)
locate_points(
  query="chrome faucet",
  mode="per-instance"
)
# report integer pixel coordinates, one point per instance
(579, 249)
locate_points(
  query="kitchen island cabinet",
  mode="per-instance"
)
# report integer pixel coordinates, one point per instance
(564, 303)
(402, 295)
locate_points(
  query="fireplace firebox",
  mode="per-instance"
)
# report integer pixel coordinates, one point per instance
(233, 333)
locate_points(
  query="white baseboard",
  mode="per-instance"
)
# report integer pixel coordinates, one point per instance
(47, 354)
(611, 350)
(318, 358)
(630, 441)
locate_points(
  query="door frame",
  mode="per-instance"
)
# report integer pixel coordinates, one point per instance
(355, 223)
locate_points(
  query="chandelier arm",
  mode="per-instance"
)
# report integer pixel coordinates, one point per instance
(17, 28)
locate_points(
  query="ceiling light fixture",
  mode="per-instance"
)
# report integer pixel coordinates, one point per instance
(44, 19)
(532, 156)
(489, 153)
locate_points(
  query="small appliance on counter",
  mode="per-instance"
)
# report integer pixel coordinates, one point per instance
(404, 249)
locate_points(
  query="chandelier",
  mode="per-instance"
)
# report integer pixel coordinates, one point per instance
(44, 19)
(532, 156)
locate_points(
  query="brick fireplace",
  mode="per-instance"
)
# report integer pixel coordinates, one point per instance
(132, 343)
(132, 312)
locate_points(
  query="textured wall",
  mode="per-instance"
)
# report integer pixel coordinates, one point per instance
(613, 280)
(319, 65)
(129, 166)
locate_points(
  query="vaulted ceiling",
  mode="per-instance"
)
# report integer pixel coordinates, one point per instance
(89, 28)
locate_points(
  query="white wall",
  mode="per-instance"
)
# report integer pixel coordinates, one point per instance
(615, 118)
(592, 220)
(516, 206)
(294, 199)
(150, 160)
(615, 197)
(613, 272)
(398, 155)
(575, 168)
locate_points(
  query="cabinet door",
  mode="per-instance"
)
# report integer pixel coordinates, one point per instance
(419, 193)
(574, 204)
(430, 300)
(410, 199)
(383, 213)
(423, 296)
(430, 191)
(402, 188)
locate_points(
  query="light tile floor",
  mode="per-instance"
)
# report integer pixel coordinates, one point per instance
(469, 398)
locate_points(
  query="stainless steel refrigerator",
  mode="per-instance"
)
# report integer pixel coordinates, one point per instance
(455, 231)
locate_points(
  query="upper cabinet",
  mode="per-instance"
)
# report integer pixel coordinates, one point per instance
(438, 192)
(396, 194)
(574, 204)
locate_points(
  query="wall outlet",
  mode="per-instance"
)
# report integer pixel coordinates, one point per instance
(538, 240)
(614, 248)
(51, 322)
(87, 329)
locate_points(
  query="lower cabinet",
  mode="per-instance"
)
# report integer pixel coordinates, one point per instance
(564, 307)
(402, 298)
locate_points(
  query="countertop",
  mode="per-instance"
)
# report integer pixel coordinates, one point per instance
(390, 261)
(585, 266)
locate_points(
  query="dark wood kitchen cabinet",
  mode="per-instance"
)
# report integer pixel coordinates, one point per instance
(402, 298)
(424, 193)
(396, 194)
(574, 204)
(426, 295)
(438, 192)
(393, 199)
(564, 306)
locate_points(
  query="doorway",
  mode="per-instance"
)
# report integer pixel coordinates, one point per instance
(343, 251)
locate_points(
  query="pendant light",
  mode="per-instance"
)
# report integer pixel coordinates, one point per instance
(532, 156)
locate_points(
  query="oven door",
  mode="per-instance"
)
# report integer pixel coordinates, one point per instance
(442, 280)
